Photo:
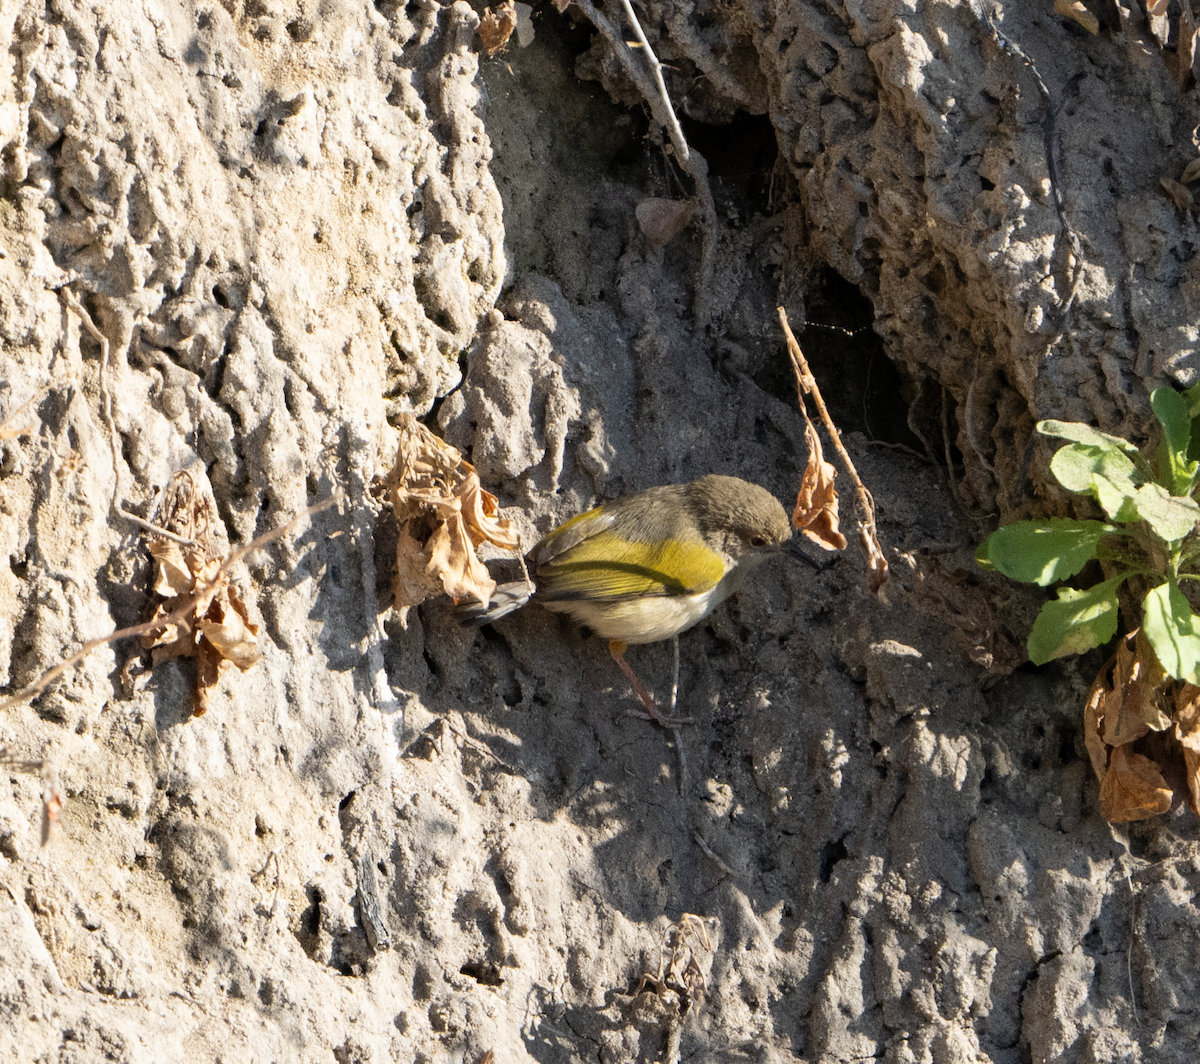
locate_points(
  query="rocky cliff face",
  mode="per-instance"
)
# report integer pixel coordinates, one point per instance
(395, 839)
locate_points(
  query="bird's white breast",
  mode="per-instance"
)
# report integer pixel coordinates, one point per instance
(654, 617)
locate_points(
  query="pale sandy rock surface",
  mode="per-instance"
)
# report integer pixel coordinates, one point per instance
(408, 841)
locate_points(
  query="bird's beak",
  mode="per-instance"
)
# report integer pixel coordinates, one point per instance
(796, 548)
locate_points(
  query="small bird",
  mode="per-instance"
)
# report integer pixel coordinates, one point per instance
(648, 566)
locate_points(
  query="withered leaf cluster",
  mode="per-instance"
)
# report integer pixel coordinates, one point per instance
(816, 510)
(200, 613)
(1132, 700)
(496, 25)
(680, 979)
(444, 514)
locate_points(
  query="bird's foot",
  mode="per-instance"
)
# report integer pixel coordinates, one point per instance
(653, 713)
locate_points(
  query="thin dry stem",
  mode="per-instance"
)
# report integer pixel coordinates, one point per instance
(711, 854)
(673, 126)
(43, 681)
(654, 91)
(868, 534)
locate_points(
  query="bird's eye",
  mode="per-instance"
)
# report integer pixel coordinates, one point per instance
(757, 541)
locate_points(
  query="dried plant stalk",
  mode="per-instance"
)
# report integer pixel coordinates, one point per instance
(868, 535)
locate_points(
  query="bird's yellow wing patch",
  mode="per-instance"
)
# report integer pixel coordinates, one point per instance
(605, 566)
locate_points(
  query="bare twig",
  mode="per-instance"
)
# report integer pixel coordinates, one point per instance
(654, 91)
(868, 534)
(1121, 838)
(81, 312)
(711, 854)
(673, 126)
(159, 623)
(946, 450)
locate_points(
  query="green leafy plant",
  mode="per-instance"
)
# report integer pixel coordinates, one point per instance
(1150, 535)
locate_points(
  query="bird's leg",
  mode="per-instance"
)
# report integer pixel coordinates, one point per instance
(617, 648)
(675, 674)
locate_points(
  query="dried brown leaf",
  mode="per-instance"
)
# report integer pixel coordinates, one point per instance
(1092, 716)
(172, 575)
(1152, 697)
(1191, 171)
(481, 515)
(1132, 788)
(227, 627)
(1187, 731)
(1074, 9)
(816, 510)
(452, 557)
(444, 513)
(496, 25)
(1121, 707)
(662, 220)
(170, 642)
(216, 627)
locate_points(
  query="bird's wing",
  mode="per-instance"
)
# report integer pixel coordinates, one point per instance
(592, 562)
(570, 534)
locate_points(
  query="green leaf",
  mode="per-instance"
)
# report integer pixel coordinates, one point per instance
(981, 556)
(1171, 409)
(1102, 472)
(1044, 552)
(1175, 472)
(1171, 517)
(1116, 484)
(1192, 398)
(1172, 629)
(1080, 433)
(1075, 622)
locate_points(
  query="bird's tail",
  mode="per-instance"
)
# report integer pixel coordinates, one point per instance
(506, 599)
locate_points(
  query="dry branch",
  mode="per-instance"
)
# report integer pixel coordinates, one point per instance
(868, 535)
(655, 94)
(174, 617)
